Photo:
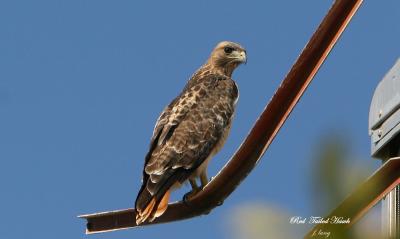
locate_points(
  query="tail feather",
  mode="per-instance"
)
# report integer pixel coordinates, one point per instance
(153, 210)
(152, 200)
(162, 206)
(142, 216)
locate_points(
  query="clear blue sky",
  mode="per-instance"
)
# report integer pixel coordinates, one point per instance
(82, 83)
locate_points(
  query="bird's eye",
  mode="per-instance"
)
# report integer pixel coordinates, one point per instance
(228, 50)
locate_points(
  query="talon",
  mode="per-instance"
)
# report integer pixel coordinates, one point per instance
(186, 198)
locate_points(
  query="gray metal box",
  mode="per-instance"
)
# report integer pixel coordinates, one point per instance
(384, 114)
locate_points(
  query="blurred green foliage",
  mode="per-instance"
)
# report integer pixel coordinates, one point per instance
(336, 173)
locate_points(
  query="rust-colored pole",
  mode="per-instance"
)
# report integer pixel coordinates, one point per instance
(260, 136)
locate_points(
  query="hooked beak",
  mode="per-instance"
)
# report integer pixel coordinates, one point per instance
(240, 56)
(243, 57)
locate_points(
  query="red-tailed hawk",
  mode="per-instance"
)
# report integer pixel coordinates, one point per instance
(190, 130)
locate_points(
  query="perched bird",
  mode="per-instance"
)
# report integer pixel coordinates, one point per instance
(189, 131)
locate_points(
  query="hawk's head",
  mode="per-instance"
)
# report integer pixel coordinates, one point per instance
(227, 56)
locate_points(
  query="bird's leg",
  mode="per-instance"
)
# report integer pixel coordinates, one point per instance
(190, 194)
(203, 178)
(195, 188)
(193, 183)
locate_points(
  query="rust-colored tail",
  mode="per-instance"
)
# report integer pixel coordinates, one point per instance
(162, 206)
(153, 209)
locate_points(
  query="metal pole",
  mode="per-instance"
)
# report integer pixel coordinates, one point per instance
(391, 203)
(390, 214)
